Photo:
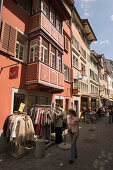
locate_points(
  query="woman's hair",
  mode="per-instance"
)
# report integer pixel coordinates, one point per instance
(72, 112)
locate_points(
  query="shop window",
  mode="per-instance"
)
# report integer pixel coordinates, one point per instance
(21, 47)
(44, 51)
(45, 8)
(52, 57)
(25, 5)
(59, 62)
(59, 25)
(34, 50)
(35, 6)
(66, 72)
(60, 101)
(53, 17)
(18, 99)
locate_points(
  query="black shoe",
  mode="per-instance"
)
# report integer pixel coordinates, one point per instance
(70, 161)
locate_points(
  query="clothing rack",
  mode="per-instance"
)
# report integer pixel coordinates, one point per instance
(46, 106)
(19, 151)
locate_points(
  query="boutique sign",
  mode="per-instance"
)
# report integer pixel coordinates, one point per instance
(13, 72)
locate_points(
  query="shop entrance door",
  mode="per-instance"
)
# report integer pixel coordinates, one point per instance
(18, 99)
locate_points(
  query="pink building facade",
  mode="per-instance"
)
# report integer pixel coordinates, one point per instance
(31, 52)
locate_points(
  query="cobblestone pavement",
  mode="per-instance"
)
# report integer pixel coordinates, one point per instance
(95, 152)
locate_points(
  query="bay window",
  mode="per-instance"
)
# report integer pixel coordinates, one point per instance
(46, 8)
(25, 5)
(35, 6)
(59, 62)
(44, 51)
(58, 25)
(33, 50)
(52, 57)
(53, 17)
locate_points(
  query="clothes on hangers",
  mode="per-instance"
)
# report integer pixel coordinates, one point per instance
(18, 128)
(41, 118)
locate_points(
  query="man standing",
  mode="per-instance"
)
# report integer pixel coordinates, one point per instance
(58, 121)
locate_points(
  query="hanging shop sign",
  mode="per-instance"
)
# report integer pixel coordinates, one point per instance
(21, 108)
(13, 72)
(75, 91)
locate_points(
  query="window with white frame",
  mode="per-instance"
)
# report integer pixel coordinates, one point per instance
(52, 57)
(33, 50)
(35, 6)
(53, 17)
(44, 51)
(19, 51)
(75, 60)
(21, 47)
(46, 8)
(58, 25)
(59, 62)
(83, 69)
(66, 72)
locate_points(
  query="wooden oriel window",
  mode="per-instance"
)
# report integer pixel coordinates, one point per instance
(52, 57)
(53, 17)
(34, 50)
(35, 6)
(44, 51)
(58, 25)
(46, 8)
(25, 5)
(59, 62)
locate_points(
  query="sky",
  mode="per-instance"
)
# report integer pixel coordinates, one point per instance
(100, 16)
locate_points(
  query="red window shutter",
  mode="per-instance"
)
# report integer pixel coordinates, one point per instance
(5, 37)
(12, 41)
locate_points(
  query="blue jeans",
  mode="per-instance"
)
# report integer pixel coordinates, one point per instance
(73, 153)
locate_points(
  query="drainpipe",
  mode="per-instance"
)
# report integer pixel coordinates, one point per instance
(1, 5)
(72, 7)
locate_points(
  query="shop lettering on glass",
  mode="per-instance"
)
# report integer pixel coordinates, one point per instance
(13, 72)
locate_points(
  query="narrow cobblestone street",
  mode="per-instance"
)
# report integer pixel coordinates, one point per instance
(95, 152)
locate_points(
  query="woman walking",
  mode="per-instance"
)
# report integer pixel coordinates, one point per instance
(73, 129)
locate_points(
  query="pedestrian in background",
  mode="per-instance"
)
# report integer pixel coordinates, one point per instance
(73, 130)
(58, 122)
(84, 114)
(110, 109)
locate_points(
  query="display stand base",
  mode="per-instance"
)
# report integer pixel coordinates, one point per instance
(19, 152)
(64, 146)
